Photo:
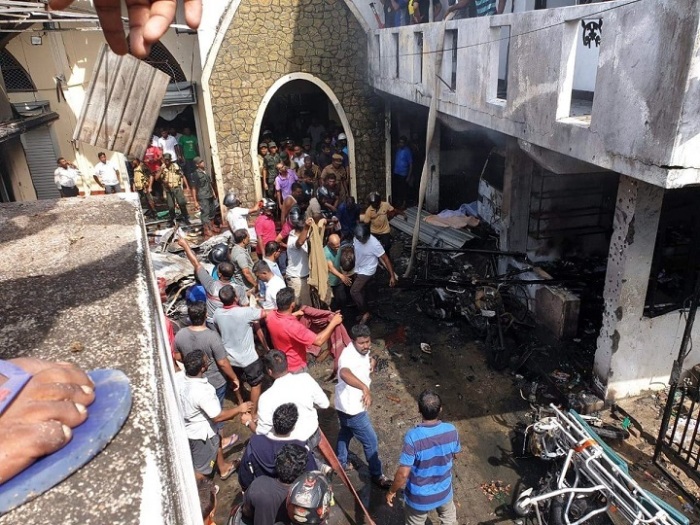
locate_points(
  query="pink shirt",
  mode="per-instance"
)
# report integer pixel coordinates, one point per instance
(265, 231)
(291, 337)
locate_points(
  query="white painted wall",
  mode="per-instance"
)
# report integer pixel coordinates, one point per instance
(73, 54)
(643, 89)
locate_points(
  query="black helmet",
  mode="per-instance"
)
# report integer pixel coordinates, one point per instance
(361, 233)
(296, 217)
(310, 498)
(375, 199)
(219, 253)
(269, 204)
(230, 201)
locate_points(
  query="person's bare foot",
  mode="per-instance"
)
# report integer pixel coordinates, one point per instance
(39, 419)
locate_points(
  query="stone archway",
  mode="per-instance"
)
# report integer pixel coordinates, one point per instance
(336, 105)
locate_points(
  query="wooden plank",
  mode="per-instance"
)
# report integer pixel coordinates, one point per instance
(122, 104)
(151, 108)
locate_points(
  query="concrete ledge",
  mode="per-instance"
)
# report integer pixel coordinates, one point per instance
(78, 271)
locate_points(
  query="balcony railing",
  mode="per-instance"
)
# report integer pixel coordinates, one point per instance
(613, 84)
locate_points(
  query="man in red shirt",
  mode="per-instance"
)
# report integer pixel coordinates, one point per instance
(292, 337)
(265, 229)
(153, 159)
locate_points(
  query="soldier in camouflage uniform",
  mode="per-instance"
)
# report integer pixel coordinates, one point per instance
(270, 169)
(143, 182)
(205, 197)
(173, 181)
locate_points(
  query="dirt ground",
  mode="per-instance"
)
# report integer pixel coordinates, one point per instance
(482, 404)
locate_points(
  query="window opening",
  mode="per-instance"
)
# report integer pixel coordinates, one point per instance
(16, 78)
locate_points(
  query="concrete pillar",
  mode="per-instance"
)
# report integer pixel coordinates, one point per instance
(432, 195)
(632, 349)
(517, 187)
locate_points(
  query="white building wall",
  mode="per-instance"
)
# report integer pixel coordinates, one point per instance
(71, 55)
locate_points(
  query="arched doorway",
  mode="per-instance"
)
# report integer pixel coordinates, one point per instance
(333, 102)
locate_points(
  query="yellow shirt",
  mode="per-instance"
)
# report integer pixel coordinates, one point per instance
(378, 219)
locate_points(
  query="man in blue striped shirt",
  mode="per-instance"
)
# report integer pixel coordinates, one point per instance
(426, 465)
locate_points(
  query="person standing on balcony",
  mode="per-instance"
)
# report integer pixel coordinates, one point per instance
(403, 170)
(395, 13)
(481, 8)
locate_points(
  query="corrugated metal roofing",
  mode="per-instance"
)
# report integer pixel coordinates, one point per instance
(429, 234)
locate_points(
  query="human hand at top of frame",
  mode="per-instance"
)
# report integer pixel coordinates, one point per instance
(148, 21)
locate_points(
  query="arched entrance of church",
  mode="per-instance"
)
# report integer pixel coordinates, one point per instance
(290, 106)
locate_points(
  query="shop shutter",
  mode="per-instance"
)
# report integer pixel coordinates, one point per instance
(41, 158)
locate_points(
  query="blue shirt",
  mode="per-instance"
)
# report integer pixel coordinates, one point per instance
(348, 218)
(485, 7)
(429, 450)
(402, 161)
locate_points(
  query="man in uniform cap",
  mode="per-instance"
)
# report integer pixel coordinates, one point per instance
(204, 193)
(341, 175)
(270, 169)
(173, 181)
(143, 184)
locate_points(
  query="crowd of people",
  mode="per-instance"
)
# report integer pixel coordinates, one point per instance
(298, 263)
(406, 12)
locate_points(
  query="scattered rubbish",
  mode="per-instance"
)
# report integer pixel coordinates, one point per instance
(437, 386)
(397, 354)
(559, 376)
(471, 378)
(76, 346)
(425, 348)
(685, 432)
(395, 399)
(497, 490)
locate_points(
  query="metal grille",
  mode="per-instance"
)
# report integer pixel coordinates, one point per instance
(160, 58)
(679, 439)
(41, 159)
(15, 76)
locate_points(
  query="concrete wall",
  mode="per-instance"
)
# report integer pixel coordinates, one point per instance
(73, 54)
(634, 352)
(268, 40)
(644, 87)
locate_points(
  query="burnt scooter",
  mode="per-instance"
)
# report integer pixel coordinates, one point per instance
(587, 479)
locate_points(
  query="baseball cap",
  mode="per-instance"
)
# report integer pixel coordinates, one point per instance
(167, 156)
(272, 144)
(337, 156)
(342, 136)
(197, 160)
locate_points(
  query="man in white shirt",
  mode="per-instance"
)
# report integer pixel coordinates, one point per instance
(272, 284)
(298, 157)
(168, 143)
(66, 178)
(201, 409)
(300, 389)
(297, 274)
(353, 399)
(368, 253)
(106, 175)
(272, 254)
(237, 215)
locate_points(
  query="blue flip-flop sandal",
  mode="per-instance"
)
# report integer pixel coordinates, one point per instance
(106, 416)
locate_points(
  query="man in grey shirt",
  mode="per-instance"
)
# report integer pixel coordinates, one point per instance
(199, 337)
(211, 285)
(234, 323)
(241, 260)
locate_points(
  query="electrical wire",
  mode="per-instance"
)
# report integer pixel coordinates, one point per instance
(524, 33)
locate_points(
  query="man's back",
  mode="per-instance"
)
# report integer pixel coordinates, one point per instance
(237, 333)
(266, 498)
(429, 450)
(259, 458)
(209, 342)
(240, 258)
(300, 389)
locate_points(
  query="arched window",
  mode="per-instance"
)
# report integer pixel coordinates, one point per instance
(160, 58)
(16, 77)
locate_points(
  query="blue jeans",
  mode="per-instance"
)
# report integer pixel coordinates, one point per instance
(358, 426)
(221, 395)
